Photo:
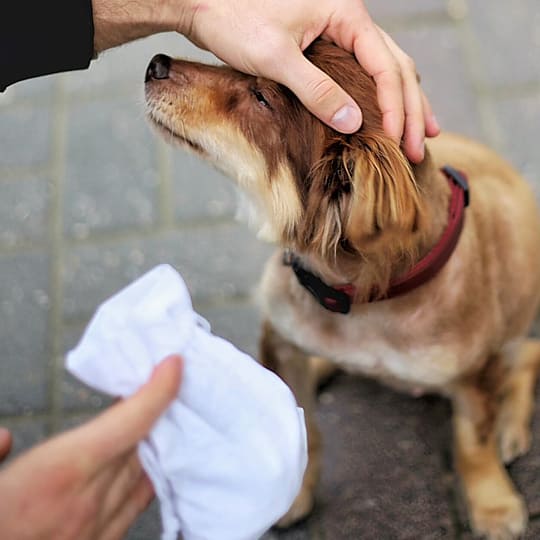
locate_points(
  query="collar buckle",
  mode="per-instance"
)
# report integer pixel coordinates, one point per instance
(334, 300)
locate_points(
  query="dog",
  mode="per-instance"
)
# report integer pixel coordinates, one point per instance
(383, 268)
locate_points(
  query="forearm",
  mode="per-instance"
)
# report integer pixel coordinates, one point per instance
(120, 21)
(40, 38)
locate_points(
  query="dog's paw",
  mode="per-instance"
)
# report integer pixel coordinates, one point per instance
(514, 441)
(503, 521)
(301, 507)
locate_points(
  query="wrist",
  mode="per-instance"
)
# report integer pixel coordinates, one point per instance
(117, 21)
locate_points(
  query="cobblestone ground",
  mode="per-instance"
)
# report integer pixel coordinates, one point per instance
(90, 200)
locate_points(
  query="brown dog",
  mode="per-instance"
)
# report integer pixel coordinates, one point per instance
(352, 210)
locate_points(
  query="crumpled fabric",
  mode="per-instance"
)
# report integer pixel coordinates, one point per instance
(228, 456)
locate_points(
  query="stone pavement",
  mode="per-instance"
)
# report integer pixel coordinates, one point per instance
(90, 200)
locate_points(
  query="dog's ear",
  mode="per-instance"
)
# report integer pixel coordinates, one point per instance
(358, 192)
(384, 197)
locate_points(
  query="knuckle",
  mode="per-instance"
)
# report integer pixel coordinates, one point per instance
(322, 90)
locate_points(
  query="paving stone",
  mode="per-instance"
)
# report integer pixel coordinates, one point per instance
(240, 324)
(441, 65)
(25, 136)
(111, 178)
(526, 470)
(23, 211)
(382, 10)
(26, 433)
(383, 466)
(509, 39)
(520, 118)
(147, 526)
(298, 532)
(34, 91)
(533, 531)
(73, 421)
(199, 190)
(215, 262)
(76, 395)
(126, 66)
(23, 333)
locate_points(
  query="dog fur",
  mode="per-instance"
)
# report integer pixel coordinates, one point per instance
(356, 211)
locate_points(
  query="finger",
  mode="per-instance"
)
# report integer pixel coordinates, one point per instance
(6, 441)
(374, 55)
(315, 89)
(415, 125)
(432, 125)
(133, 506)
(116, 482)
(122, 426)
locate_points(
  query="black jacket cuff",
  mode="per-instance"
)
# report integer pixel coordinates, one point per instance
(40, 37)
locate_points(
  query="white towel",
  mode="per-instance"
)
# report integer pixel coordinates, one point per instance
(228, 456)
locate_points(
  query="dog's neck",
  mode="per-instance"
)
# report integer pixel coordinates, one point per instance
(374, 270)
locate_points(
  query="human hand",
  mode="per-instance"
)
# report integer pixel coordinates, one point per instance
(86, 484)
(267, 38)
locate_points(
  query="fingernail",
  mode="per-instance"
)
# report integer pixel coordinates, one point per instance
(347, 119)
(435, 123)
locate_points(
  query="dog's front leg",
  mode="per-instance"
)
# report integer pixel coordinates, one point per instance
(300, 374)
(496, 510)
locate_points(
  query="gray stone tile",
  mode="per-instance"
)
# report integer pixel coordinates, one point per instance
(147, 526)
(23, 333)
(382, 10)
(69, 422)
(444, 77)
(298, 532)
(76, 395)
(25, 136)
(199, 190)
(37, 90)
(526, 470)
(533, 532)
(520, 118)
(126, 65)
(111, 178)
(509, 39)
(23, 211)
(239, 324)
(26, 433)
(383, 466)
(216, 261)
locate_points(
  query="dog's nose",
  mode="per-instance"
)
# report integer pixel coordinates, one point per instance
(158, 68)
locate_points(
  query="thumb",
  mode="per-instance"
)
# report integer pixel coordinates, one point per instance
(121, 427)
(318, 92)
(5, 443)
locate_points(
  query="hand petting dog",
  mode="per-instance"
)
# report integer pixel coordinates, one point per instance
(267, 38)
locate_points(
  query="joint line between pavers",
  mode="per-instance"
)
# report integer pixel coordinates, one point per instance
(56, 252)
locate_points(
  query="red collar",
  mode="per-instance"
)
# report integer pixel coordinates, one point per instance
(340, 297)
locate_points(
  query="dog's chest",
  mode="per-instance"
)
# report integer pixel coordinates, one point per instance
(374, 345)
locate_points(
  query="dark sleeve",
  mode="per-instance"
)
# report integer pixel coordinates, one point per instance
(39, 37)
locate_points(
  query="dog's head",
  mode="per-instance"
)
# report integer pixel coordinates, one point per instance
(314, 189)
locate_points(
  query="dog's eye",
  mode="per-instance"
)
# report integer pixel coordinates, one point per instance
(347, 246)
(260, 98)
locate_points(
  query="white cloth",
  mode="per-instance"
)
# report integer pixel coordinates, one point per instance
(227, 458)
